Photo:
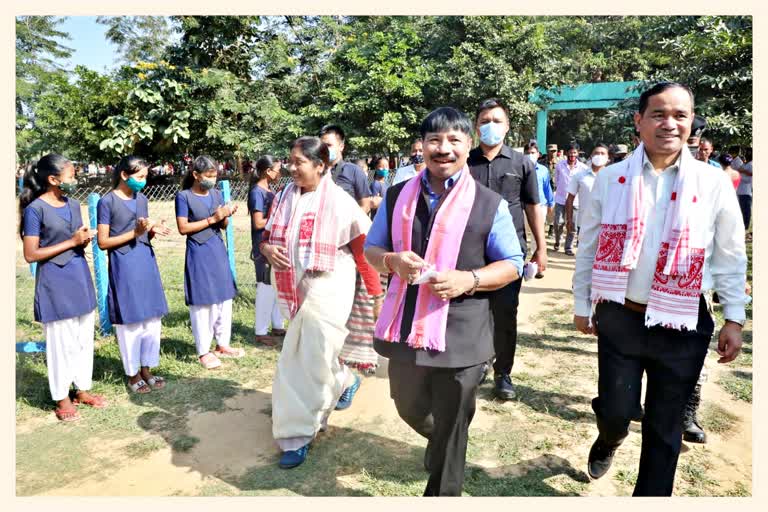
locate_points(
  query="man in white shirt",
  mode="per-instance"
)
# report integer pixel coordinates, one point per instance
(580, 188)
(643, 317)
(564, 171)
(744, 190)
(417, 163)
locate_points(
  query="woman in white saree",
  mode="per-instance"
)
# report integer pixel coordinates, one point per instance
(313, 241)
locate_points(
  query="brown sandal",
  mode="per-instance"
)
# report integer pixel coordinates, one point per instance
(67, 415)
(265, 340)
(95, 401)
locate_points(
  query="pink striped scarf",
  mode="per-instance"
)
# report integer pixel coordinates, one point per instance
(431, 312)
(318, 241)
(674, 297)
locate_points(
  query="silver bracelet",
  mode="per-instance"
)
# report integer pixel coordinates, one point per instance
(477, 283)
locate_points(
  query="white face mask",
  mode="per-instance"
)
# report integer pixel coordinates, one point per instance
(599, 160)
(532, 157)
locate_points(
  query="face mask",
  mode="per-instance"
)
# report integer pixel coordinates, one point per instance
(417, 159)
(492, 133)
(694, 150)
(532, 157)
(68, 187)
(331, 155)
(599, 160)
(135, 184)
(382, 172)
(207, 184)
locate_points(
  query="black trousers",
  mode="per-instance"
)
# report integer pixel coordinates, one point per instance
(504, 307)
(672, 361)
(439, 404)
(745, 203)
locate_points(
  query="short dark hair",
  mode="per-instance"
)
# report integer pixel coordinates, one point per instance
(130, 164)
(332, 128)
(445, 119)
(704, 140)
(658, 89)
(725, 160)
(201, 164)
(531, 145)
(313, 149)
(601, 145)
(572, 145)
(734, 149)
(376, 159)
(489, 104)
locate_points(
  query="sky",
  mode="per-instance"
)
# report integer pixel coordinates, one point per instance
(90, 47)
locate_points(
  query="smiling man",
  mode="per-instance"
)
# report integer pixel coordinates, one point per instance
(659, 230)
(437, 335)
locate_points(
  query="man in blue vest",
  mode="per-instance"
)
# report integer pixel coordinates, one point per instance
(438, 335)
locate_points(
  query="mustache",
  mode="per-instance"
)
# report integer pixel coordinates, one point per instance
(444, 156)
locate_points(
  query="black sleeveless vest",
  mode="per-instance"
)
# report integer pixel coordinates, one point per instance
(56, 230)
(199, 211)
(124, 220)
(469, 329)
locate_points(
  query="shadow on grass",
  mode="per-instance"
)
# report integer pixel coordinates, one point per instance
(548, 402)
(348, 462)
(526, 478)
(556, 343)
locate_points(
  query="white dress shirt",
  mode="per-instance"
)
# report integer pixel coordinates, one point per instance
(404, 173)
(725, 258)
(581, 187)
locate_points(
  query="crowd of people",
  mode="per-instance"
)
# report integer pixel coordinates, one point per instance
(425, 272)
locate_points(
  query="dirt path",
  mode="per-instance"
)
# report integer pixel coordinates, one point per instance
(547, 433)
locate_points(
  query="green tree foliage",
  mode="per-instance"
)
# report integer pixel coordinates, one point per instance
(139, 38)
(37, 48)
(240, 86)
(70, 115)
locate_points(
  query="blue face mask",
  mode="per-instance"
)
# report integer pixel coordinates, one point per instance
(492, 133)
(382, 172)
(135, 184)
(331, 154)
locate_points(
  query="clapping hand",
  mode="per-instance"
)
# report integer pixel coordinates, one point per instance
(160, 229)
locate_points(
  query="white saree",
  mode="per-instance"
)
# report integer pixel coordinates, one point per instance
(309, 378)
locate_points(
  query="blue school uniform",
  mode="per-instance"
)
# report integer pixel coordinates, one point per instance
(207, 276)
(63, 284)
(135, 288)
(259, 200)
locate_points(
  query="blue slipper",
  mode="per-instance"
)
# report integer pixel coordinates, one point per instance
(345, 400)
(293, 458)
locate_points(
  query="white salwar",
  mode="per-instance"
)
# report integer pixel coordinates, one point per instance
(139, 344)
(267, 310)
(310, 378)
(69, 354)
(209, 321)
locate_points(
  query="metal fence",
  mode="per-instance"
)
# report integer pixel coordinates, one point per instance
(162, 207)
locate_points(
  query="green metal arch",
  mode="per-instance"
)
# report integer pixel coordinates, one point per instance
(578, 97)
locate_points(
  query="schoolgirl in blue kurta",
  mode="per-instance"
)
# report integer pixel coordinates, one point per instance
(209, 286)
(259, 202)
(54, 236)
(135, 299)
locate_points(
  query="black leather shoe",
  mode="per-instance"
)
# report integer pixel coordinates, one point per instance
(600, 459)
(693, 433)
(503, 387)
